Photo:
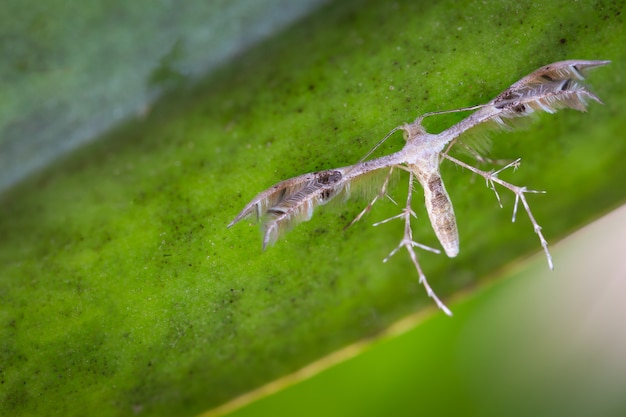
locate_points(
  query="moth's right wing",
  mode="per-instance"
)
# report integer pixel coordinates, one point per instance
(548, 89)
(293, 201)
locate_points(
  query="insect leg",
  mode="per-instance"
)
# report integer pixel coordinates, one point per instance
(520, 195)
(408, 243)
(381, 194)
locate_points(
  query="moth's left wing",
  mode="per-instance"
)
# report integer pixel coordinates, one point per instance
(293, 201)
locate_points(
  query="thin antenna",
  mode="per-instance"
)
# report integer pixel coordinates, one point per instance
(435, 113)
(419, 122)
(380, 142)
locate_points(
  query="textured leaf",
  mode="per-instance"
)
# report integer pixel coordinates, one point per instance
(122, 290)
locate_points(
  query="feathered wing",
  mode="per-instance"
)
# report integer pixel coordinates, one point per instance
(548, 89)
(293, 201)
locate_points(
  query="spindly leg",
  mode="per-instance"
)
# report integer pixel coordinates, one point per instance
(381, 194)
(408, 242)
(491, 178)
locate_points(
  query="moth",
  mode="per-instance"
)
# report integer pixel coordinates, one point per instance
(548, 89)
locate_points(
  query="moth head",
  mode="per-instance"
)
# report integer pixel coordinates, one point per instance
(411, 130)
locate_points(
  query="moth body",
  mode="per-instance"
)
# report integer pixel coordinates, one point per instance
(548, 89)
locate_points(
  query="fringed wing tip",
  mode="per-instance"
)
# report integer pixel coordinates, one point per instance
(247, 210)
(573, 69)
(581, 63)
(599, 63)
(233, 222)
(578, 68)
(584, 64)
(244, 213)
(594, 98)
(269, 235)
(270, 231)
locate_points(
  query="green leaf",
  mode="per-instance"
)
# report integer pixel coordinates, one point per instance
(122, 290)
(536, 342)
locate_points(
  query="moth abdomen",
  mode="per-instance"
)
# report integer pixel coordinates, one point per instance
(441, 213)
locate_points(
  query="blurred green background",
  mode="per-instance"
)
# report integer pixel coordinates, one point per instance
(533, 343)
(132, 133)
